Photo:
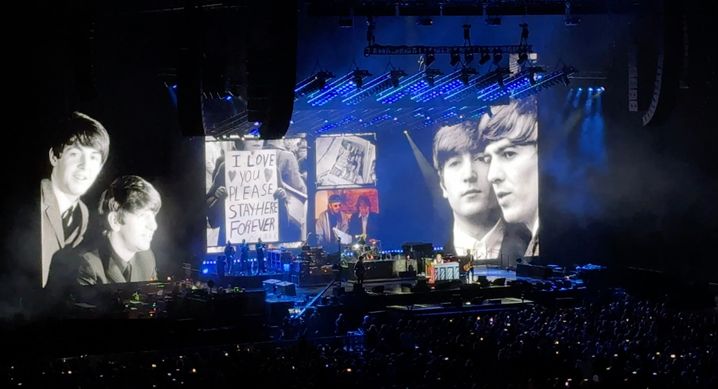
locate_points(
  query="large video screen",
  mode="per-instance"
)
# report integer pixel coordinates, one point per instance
(488, 174)
(256, 190)
(103, 206)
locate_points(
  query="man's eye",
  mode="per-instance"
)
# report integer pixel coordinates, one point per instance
(509, 154)
(485, 158)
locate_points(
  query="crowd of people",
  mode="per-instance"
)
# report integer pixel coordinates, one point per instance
(623, 342)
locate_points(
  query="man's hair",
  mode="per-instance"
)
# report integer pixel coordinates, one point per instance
(128, 194)
(82, 130)
(453, 140)
(515, 121)
(363, 199)
(335, 198)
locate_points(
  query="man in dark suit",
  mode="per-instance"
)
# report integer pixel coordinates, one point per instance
(77, 154)
(229, 253)
(363, 221)
(243, 257)
(128, 209)
(259, 248)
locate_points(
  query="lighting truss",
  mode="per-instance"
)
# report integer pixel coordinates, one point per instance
(461, 50)
(339, 87)
(477, 83)
(505, 84)
(410, 86)
(313, 83)
(452, 86)
(330, 126)
(377, 119)
(465, 78)
(547, 81)
(443, 85)
(385, 81)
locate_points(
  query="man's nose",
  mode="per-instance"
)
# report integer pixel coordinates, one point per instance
(468, 170)
(152, 224)
(496, 173)
(83, 160)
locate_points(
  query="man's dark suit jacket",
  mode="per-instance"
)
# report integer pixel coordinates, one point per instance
(513, 246)
(372, 225)
(99, 265)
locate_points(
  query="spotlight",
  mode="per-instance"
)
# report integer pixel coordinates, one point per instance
(313, 83)
(406, 132)
(430, 57)
(468, 57)
(498, 56)
(455, 57)
(466, 74)
(523, 56)
(430, 75)
(395, 76)
(534, 75)
(485, 56)
(358, 77)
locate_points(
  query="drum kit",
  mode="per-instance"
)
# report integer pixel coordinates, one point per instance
(370, 249)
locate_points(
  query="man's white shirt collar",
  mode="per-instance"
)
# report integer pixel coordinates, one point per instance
(63, 202)
(487, 247)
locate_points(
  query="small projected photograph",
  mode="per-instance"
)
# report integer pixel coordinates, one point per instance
(347, 214)
(346, 160)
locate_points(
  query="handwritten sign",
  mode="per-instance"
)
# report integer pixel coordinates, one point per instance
(251, 211)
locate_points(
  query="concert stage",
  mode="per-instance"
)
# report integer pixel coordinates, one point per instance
(250, 308)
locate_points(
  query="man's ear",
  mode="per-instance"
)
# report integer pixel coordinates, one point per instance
(443, 188)
(53, 158)
(113, 219)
